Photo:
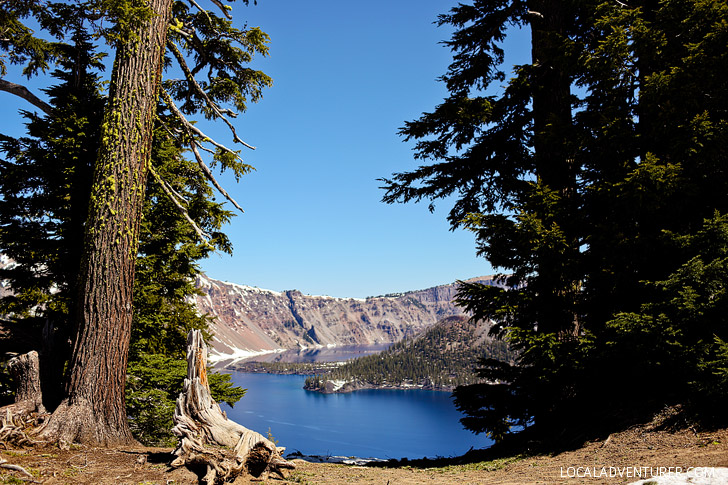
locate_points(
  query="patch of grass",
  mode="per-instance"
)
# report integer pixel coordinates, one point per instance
(14, 453)
(488, 466)
(70, 472)
(11, 480)
(299, 477)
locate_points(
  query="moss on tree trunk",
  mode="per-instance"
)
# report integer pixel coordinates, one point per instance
(94, 410)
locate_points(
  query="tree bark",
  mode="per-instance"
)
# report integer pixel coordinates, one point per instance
(94, 411)
(199, 421)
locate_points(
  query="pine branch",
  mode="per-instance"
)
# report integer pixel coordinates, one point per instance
(218, 111)
(211, 178)
(175, 197)
(190, 128)
(24, 93)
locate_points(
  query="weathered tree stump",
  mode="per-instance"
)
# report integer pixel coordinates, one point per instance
(199, 421)
(25, 371)
(28, 407)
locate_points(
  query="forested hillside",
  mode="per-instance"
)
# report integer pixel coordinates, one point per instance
(441, 358)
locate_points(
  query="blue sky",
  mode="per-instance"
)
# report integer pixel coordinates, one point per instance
(346, 76)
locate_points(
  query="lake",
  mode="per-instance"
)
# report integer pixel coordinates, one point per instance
(367, 424)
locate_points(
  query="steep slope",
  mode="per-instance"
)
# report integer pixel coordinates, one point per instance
(250, 320)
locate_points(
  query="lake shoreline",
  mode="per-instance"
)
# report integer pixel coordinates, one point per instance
(330, 386)
(417, 423)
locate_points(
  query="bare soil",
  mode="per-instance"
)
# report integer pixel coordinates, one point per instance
(634, 449)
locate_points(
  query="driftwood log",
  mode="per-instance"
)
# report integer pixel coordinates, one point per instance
(199, 423)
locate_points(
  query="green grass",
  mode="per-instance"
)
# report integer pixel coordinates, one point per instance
(488, 466)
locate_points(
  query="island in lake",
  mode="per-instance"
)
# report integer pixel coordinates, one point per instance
(442, 358)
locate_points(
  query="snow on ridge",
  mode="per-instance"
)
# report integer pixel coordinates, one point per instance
(239, 354)
(252, 289)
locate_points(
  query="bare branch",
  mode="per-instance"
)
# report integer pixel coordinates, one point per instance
(193, 128)
(225, 9)
(193, 145)
(17, 468)
(202, 10)
(211, 178)
(23, 92)
(183, 65)
(175, 197)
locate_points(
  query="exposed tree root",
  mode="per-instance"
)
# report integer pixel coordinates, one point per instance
(199, 421)
(77, 423)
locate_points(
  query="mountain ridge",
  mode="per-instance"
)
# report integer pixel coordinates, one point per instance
(251, 320)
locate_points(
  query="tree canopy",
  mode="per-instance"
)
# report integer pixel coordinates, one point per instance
(595, 181)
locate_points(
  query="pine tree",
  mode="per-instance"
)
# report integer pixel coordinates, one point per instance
(579, 179)
(93, 411)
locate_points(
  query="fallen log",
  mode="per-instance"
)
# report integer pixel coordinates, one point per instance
(199, 423)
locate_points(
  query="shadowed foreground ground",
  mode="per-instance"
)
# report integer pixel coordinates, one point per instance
(639, 448)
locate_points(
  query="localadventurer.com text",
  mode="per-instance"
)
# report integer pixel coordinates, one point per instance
(635, 472)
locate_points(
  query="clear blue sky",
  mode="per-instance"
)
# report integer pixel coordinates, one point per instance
(346, 76)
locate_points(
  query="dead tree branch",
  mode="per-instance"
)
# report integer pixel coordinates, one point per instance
(192, 130)
(23, 92)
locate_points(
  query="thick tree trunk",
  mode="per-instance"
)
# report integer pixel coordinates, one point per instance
(554, 162)
(199, 421)
(94, 410)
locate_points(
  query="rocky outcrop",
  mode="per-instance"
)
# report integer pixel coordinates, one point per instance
(249, 320)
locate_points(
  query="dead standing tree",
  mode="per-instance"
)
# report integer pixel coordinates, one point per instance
(199, 421)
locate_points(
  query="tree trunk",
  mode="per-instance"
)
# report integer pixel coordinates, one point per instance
(199, 421)
(94, 410)
(554, 162)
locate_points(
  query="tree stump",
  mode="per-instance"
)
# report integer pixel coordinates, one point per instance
(25, 371)
(28, 407)
(199, 421)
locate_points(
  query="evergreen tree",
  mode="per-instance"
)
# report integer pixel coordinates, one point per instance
(91, 411)
(580, 179)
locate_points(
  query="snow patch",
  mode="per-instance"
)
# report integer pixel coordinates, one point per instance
(338, 384)
(239, 354)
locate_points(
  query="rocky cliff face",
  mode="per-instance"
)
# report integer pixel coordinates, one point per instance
(250, 320)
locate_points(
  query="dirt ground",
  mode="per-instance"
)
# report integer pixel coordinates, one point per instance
(637, 450)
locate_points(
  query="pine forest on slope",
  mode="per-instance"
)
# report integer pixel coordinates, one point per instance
(441, 358)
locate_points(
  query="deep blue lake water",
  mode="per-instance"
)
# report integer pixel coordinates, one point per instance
(366, 424)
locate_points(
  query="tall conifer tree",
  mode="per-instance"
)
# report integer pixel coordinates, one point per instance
(580, 180)
(93, 410)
